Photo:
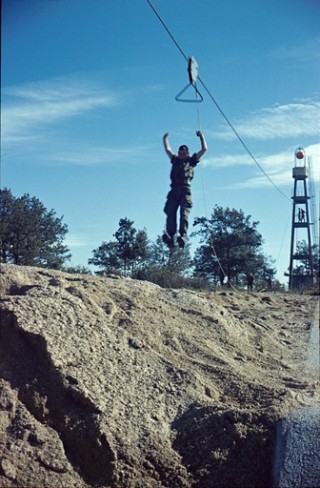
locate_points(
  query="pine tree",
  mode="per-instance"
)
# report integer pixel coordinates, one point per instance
(31, 235)
(126, 253)
(230, 246)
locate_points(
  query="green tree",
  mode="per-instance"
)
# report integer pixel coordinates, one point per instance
(128, 252)
(230, 246)
(31, 235)
(169, 268)
(265, 272)
(6, 219)
(304, 269)
(176, 260)
(106, 257)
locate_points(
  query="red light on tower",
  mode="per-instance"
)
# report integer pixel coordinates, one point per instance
(299, 153)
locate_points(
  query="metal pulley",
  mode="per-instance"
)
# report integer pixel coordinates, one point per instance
(193, 76)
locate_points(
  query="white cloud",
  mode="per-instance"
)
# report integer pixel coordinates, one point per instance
(282, 121)
(32, 123)
(89, 155)
(279, 166)
(77, 240)
(35, 106)
(227, 160)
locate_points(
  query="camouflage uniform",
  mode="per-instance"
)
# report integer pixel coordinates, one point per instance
(180, 194)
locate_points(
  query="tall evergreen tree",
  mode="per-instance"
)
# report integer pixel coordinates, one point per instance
(176, 260)
(106, 257)
(127, 252)
(230, 246)
(30, 234)
(303, 269)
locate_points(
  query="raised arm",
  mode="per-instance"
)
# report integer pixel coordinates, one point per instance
(167, 145)
(204, 146)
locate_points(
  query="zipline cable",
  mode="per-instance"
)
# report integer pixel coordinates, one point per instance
(283, 238)
(240, 139)
(168, 31)
(206, 209)
(217, 105)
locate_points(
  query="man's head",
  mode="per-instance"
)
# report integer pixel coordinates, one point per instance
(183, 151)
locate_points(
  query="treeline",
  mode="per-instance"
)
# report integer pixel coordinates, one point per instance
(229, 248)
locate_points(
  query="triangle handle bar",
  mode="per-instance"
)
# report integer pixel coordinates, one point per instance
(188, 100)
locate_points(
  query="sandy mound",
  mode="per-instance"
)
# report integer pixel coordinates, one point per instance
(120, 383)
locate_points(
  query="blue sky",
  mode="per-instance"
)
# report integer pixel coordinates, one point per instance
(88, 90)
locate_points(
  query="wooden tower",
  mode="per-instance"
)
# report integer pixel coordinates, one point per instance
(301, 224)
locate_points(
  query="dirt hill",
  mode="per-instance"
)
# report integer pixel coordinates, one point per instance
(119, 383)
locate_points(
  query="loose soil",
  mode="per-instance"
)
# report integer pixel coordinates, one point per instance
(118, 383)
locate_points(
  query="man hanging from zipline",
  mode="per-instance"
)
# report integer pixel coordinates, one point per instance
(180, 194)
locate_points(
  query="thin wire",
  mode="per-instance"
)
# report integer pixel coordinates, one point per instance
(206, 210)
(283, 238)
(168, 31)
(217, 105)
(240, 139)
(198, 112)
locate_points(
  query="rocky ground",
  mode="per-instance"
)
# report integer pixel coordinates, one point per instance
(112, 382)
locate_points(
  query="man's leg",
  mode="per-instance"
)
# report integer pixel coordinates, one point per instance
(185, 209)
(170, 210)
